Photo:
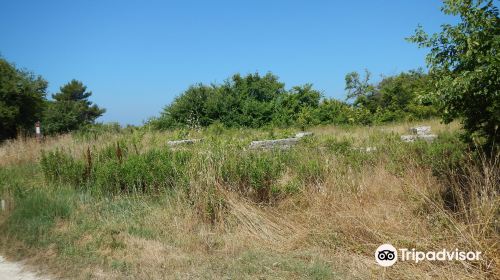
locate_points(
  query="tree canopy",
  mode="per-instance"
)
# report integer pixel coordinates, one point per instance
(464, 65)
(255, 101)
(22, 99)
(70, 109)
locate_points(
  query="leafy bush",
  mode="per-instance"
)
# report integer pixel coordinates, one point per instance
(258, 101)
(463, 63)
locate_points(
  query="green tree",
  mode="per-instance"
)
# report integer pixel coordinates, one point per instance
(258, 95)
(402, 97)
(291, 105)
(71, 109)
(22, 99)
(360, 89)
(240, 101)
(464, 62)
(333, 111)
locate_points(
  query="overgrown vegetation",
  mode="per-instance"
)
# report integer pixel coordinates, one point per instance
(126, 204)
(111, 202)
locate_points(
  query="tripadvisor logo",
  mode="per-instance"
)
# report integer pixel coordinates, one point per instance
(386, 255)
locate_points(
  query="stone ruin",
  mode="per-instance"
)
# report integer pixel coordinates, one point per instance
(419, 132)
(285, 143)
(183, 142)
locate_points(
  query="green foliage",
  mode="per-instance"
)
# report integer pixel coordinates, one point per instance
(70, 109)
(151, 172)
(332, 111)
(242, 101)
(395, 98)
(254, 171)
(442, 154)
(22, 97)
(310, 170)
(464, 62)
(114, 170)
(297, 106)
(338, 146)
(259, 101)
(57, 166)
(357, 87)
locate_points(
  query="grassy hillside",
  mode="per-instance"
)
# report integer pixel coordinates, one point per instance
(115, 205)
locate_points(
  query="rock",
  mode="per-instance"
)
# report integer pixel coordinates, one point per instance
(183, 142)
(366, 149)
(278, 143)
(303, 134)
(420, 130)
(413, 138)
(408, 138)
(370, 149)
(427, 137)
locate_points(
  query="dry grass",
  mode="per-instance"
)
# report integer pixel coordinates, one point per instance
(329, 230)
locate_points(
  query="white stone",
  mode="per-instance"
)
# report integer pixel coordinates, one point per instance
(420, 130)
(183, 142)
(427, 137)
(278, 143)
(370, 149)
(408, 138)
(366, 149)
(303, 134)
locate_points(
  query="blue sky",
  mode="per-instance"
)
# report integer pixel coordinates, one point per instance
(136, 56)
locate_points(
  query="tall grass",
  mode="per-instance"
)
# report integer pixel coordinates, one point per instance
(35, 213)
(131, 206)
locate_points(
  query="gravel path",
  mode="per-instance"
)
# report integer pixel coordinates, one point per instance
(16, 271)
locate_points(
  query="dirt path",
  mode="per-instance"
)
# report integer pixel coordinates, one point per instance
(16, 271)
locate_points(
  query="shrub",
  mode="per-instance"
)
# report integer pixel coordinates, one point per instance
(153, 171)
(58, 166)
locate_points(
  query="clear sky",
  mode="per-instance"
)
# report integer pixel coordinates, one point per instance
(136, 56)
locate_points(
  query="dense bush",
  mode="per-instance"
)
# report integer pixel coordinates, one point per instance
(113, 170)
(395, 98)
(118, 168)
(150, 172)
(464, 66)
(258, 101)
